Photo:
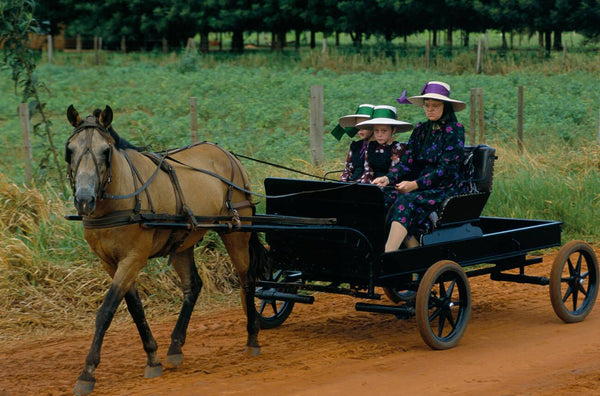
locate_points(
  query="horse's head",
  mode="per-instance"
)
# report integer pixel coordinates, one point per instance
(88, 152)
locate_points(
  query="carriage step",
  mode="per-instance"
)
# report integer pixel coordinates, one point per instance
(404, 311)
(291, 297)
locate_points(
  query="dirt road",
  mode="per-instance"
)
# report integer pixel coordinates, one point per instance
(514, 345)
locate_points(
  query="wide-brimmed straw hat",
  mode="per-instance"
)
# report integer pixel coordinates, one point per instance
(363, 111)
(386, 115)
(433, 90)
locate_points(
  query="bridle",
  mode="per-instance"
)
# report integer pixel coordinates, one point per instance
(72, 168)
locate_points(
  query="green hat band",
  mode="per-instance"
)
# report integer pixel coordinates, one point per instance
(383, 113)
(364, 110)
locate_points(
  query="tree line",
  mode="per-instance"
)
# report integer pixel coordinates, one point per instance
(153, 21)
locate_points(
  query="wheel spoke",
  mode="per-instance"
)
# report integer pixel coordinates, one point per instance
(579, 259)
(435, 314)
(263, 304)
(451, 318)
(575, 295)
(274, 306)
(567, 294)
(441, 324)
(571, 267)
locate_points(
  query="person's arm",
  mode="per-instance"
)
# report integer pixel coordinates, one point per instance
(349, 168)
(450, 158)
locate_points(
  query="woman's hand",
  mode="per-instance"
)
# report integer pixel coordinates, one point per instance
(381, 181)
(404, 187)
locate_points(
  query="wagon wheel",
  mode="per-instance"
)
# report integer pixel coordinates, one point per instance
(272, 312)
(574, 281)
(443, 305)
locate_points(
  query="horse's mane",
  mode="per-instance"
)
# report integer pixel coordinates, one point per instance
(120, 142)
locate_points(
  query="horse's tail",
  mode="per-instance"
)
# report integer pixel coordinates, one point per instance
(259, 259)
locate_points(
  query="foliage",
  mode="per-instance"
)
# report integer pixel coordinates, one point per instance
(17, 24)
(147, 22)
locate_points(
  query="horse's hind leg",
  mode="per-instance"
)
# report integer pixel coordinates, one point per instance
(136, 309)
(191, 284)
(238, 247)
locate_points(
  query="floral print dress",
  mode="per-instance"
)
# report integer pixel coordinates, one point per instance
(433, 158)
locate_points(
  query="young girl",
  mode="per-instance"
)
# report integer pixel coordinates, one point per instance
(383, 152)
(354, 169)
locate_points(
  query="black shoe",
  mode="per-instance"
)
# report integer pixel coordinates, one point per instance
(407, 296)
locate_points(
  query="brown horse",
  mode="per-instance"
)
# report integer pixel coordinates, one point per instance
(115, 187)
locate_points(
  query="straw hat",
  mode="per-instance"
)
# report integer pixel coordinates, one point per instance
(434, 90)
(363, 111)
(386, 115)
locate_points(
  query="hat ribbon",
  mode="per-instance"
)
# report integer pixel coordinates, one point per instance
(402, 99)
(434, 89)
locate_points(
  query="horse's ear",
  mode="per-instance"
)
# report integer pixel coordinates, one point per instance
(106, 117)
(73, 116)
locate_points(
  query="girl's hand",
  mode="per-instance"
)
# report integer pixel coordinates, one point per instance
(381, 181)
(404, 187)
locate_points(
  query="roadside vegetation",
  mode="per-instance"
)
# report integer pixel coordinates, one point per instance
(257, 104)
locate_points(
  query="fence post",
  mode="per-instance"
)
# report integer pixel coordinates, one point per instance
(478, 65)
(481, 118)
(316, 124)
(194, 119)
(26, 133)
(473, 128)
(520, 120)
(50, 49)
(427, 52)
(78, 43)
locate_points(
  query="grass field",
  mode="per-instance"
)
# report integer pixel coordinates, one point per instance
(258, 105)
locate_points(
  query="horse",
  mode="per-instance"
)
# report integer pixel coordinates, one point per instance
(116, 186)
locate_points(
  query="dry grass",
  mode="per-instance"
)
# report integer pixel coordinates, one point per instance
(49, 280)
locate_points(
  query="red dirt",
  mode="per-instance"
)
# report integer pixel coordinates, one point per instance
(514, 344)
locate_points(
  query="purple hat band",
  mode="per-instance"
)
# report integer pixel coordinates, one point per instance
(435, 89)
(402, 99)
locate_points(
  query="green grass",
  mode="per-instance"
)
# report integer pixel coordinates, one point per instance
(257, 104)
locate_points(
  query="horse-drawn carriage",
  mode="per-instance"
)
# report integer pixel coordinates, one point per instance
(322, 236)
(344, 254)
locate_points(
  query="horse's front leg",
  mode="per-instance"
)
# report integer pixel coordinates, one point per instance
(136, 309)
(191, 284)
(123, 279)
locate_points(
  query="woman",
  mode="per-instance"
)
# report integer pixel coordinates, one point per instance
(429, 169)
(355, 160)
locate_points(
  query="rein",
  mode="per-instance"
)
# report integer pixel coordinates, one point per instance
(282, 167)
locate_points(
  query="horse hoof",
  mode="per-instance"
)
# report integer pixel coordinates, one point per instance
(174, 360)
(252, 351)
(83, 388)
(153, 371)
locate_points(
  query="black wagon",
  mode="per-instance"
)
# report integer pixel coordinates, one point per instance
(332, 235)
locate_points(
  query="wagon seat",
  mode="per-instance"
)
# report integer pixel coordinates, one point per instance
(458, 216)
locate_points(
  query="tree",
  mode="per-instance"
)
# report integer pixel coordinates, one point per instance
(16, 25)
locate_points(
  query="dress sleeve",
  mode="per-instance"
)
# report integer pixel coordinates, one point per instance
(349, 168)
(451, 153)
(403, 166)
(368, 173)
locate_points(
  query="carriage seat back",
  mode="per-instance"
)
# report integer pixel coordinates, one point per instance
(479, 167)
(478, 171)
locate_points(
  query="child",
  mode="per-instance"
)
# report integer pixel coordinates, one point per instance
(354, 167)
(383, 152)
